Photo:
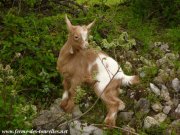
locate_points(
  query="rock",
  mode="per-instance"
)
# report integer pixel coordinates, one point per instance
(142, 105)
(169, 103)
(174, 128)
(127, 130)
(160, 117)
(55, 118)
(146, 61)
(157, 107)
(166, 109)
(175, 101)
(76, 111)
(164, 93)
(155, 89)
(161, 62)
(164, 48)
(52, 118)
(77, 128)
(177, 110)
(149, 122)
(171, 56)
(128, 66)
(176, 84)
(162, 77)
(142, 74)
(126, 116)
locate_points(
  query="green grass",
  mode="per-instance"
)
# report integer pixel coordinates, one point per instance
(107, 2)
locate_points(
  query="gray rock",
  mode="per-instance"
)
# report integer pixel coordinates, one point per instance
(127, 130)
(157, 107)
(149, 122)
(155, 89)
(161, 62)
(76, 111)
(55, 118)
(160, 117)
(169, 103)
(177, 110)
(162, 77)
(171, 56)
(176, 84)
(52, 118)
(142, 105)
(173, 128)
(175, 101)
(164, 48)
(126, 116)
(77, 128)
(166, 109)
(165, 93)
(128, 66)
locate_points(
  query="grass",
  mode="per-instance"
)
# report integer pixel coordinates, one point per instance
(107, 2)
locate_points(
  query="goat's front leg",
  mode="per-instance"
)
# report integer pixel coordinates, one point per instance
(72, 93)
(65, 97)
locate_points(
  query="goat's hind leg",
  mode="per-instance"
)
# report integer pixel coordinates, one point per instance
(113, 104)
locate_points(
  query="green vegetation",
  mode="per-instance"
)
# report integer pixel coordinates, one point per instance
(31, 37)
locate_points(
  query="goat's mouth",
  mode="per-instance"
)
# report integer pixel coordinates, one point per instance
(85, 45)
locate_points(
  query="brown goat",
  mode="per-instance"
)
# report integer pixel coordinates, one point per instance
(78, 65)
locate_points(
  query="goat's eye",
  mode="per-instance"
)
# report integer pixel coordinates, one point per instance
(76, 37)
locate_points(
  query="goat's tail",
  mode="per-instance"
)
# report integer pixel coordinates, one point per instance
(129, 80)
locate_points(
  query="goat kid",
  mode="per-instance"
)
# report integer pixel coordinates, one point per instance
(78, 65)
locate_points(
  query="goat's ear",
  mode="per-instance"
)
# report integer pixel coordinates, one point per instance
(91, 24)
(69, 25)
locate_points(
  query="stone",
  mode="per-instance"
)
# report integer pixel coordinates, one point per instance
(52, 118)
(76, 112)
(155, 89)
(128, 66)
(165, 93)
(166, 109)
(127, 130)
(174, 128)
(171, 56)
(56, 118)
(164, 48)
(126, 116)
(149, 122)
(160, 117)
(142, 105)
(169, 103)
(176, 84)
(77, 128)
(177, 110)
(157, 107)
(175, 101)
(162, 77)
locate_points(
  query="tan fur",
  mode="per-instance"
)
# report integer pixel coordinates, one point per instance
(73, 63)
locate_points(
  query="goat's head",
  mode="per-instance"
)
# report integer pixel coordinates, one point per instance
(78, 35)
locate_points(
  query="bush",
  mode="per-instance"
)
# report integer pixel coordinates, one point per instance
(16, 112)
(166, 11)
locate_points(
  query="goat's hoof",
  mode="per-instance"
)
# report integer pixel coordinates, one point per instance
(110, 123)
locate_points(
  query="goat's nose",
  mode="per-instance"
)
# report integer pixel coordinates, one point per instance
(85, 44)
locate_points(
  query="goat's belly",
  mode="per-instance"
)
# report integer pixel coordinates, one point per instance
(108, 69)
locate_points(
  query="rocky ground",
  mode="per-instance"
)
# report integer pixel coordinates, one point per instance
(152, 104)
